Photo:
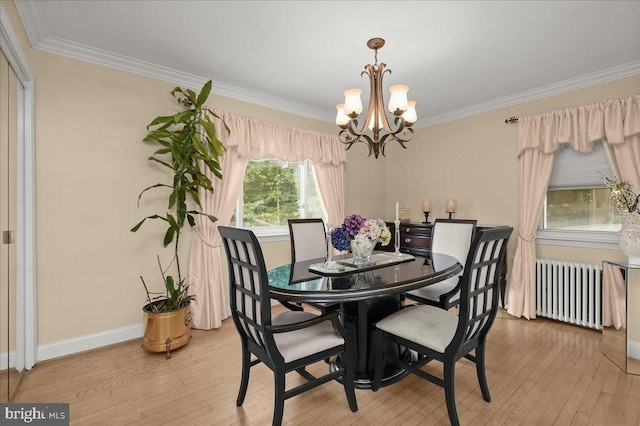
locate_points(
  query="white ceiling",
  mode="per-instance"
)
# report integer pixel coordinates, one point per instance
(459, 58)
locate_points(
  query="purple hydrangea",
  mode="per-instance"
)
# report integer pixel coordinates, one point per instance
(353, 223)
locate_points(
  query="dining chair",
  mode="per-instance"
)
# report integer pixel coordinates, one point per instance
(438, 334)
(452, 237)
(287, 342)
(308, 241)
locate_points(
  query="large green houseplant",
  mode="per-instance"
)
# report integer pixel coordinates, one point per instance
(188, 144)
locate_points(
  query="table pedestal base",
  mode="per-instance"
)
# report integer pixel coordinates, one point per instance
(362, 316)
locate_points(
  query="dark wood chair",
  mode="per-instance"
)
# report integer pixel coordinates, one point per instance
(285, 343)
(437, 334)
(452, 237)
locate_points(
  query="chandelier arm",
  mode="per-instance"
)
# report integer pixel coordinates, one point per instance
(402, 140)
(383, 112)
(370, 71)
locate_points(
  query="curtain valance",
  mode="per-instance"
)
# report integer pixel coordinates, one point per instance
(252, 137)
(611, 121)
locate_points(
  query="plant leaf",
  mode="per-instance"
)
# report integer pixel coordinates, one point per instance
(204, 94)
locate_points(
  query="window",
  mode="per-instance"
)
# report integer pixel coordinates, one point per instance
(274, 191)
(578, 209)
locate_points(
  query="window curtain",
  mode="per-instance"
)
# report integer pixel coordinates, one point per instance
(330, 181)
(249, 138)
(615, 122)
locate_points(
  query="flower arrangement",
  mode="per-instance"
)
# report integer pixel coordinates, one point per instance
(360, 233)
(625, 199)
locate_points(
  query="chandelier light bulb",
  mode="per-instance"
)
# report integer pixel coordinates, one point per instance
(372, 122)
(352, 102)
(398, 103)
(410, 116)
(341, 117)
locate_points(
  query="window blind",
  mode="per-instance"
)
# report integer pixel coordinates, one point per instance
(575, 170)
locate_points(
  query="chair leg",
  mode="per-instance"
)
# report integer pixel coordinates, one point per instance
(449, 393)
(347, 379)
(246, 369)
(482, 377)
(278, 406)
(378, 347)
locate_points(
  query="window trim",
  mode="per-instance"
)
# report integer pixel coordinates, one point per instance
(586, 239)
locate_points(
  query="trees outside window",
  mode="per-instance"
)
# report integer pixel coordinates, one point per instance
(274, 191)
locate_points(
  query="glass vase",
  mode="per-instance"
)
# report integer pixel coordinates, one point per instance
(362, 250)
(630, 237)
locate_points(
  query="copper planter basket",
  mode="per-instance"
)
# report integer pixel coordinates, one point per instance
(166, 331)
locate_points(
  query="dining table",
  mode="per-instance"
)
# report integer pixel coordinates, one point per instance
(364, 291)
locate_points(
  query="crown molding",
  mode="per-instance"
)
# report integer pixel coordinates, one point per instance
(30, 15)
(615, 73)
(148, 69)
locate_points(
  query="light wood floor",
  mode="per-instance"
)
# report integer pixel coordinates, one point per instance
(539, 372)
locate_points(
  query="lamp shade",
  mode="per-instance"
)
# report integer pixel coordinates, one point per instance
(341, 118)
(451, 205)
(352, 102)
(398, 103)
(410, 116)
(426, 205)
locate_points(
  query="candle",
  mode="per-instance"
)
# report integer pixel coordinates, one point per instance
(397, 210)
(329, 214)
(426, 205)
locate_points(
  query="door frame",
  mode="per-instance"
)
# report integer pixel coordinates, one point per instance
(26, 293)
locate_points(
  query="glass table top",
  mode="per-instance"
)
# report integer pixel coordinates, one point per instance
(297, 282)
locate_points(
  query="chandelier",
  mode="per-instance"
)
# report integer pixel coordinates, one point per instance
(376, 129)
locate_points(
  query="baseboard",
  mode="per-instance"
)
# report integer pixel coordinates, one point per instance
(633, 349)
(90, 341)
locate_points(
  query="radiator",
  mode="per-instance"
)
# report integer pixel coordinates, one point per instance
(569, 292)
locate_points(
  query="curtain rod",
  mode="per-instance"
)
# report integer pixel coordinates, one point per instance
(511, 120)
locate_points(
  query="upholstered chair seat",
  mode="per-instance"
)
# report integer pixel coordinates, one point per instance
(426, 325)
(304, 342)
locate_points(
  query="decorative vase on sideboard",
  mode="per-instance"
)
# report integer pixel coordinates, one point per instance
(630, 237)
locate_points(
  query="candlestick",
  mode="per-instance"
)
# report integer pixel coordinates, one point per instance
(396, 238)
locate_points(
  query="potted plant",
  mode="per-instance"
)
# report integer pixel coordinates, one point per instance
(187, 142)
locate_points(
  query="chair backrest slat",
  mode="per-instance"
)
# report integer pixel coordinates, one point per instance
(479, 285)
(247, 284)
